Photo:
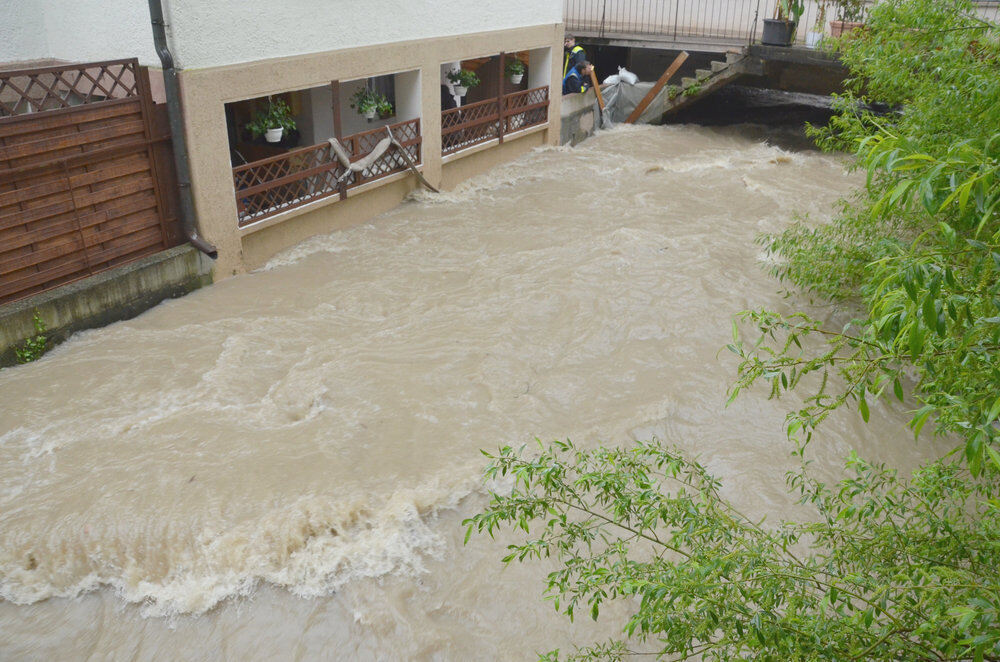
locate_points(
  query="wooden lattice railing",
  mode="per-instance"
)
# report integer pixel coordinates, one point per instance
(271, 186)
(469, 125)
(66, 86)
(487, 120)
(524, 109)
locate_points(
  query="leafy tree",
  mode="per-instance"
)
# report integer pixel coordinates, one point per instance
(888, 567)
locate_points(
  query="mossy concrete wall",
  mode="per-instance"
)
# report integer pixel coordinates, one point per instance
(103, 298)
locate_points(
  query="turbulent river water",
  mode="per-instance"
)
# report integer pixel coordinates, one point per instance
(277, 467)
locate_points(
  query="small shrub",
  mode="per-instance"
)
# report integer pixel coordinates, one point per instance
(35, 346)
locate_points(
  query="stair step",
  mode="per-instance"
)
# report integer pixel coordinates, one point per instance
(732, 58)
(719, 66)
(702, 74)
(687, 82)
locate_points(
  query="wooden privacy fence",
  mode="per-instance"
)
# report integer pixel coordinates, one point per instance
(493, 118)
(85, 167)
(274, 185)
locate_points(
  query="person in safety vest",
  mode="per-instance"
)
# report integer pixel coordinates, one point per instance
(572, 54)
(578, 78)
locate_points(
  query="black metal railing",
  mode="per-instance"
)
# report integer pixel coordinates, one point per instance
(670, 20)
(712, 23)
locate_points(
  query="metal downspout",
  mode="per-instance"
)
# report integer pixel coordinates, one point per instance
(173, 94)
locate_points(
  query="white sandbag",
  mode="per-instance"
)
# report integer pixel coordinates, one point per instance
(613, 79)
(627, 76)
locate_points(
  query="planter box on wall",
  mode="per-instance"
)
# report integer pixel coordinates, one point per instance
(778, 33)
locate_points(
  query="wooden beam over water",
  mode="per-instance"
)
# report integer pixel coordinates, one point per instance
(648, 99)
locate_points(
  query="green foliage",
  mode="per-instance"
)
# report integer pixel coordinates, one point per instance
(885, 567)
(919, 248)
(277, 114)
(790, 10)
(851, 10)
(365, 100)
(33, 347)
(384, 108)
(464, 78)
(692, 89)
(898, 570)
(514, 67)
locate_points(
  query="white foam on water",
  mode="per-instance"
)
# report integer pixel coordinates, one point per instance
(310, 548)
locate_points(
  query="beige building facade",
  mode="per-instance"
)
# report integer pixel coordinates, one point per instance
(205, 92)
(233, 57)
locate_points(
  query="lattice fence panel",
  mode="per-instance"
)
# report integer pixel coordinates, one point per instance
(52, 88)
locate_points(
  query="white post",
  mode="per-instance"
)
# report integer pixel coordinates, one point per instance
(540, 68)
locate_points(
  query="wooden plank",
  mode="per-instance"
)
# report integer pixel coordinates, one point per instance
(597, 88)
(123, 228)
(31, 193)
(56, 161)
(41, 235)
(112, 192)
(24, 282)
(40, 256)
(142, 240)
(129, 165)
(73, 129)
(36, 214)
(117, 208)
(12, 239)
(666, 76)
(37, 147)
(34, 122)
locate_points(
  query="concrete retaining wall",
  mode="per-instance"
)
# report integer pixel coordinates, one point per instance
(579, 119)
(104, 298)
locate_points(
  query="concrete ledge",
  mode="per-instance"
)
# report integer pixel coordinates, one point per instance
(579, 119)
(103, 298)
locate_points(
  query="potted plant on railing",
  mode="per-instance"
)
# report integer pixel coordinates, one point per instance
(816, 33)
(365, 101)
(463, 80)
(273, 122)
(780, 30)
(515, 69)
(850, 17)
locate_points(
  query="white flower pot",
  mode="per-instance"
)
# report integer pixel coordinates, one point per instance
(813, 38)
(370, 114)
(461, 91)
(516, 78)
(274, 135)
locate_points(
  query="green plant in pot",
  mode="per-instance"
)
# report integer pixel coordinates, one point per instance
(850, 17)
(272, 122)
(515, 69)
(366, 102)
(780, 30)
(384, 108)
(463, 80)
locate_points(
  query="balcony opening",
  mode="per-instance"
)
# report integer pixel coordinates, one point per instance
(298, 165)
(484, 99)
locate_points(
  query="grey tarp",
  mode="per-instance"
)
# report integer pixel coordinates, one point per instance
(620, 99)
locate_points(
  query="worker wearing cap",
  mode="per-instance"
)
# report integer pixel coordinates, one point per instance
(578, 78)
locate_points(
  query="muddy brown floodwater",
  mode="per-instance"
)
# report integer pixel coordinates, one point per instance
(276, 467)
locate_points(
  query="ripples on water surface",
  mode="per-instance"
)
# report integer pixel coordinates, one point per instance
(276, 467)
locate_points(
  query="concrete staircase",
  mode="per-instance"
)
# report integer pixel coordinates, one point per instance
(707, 81)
